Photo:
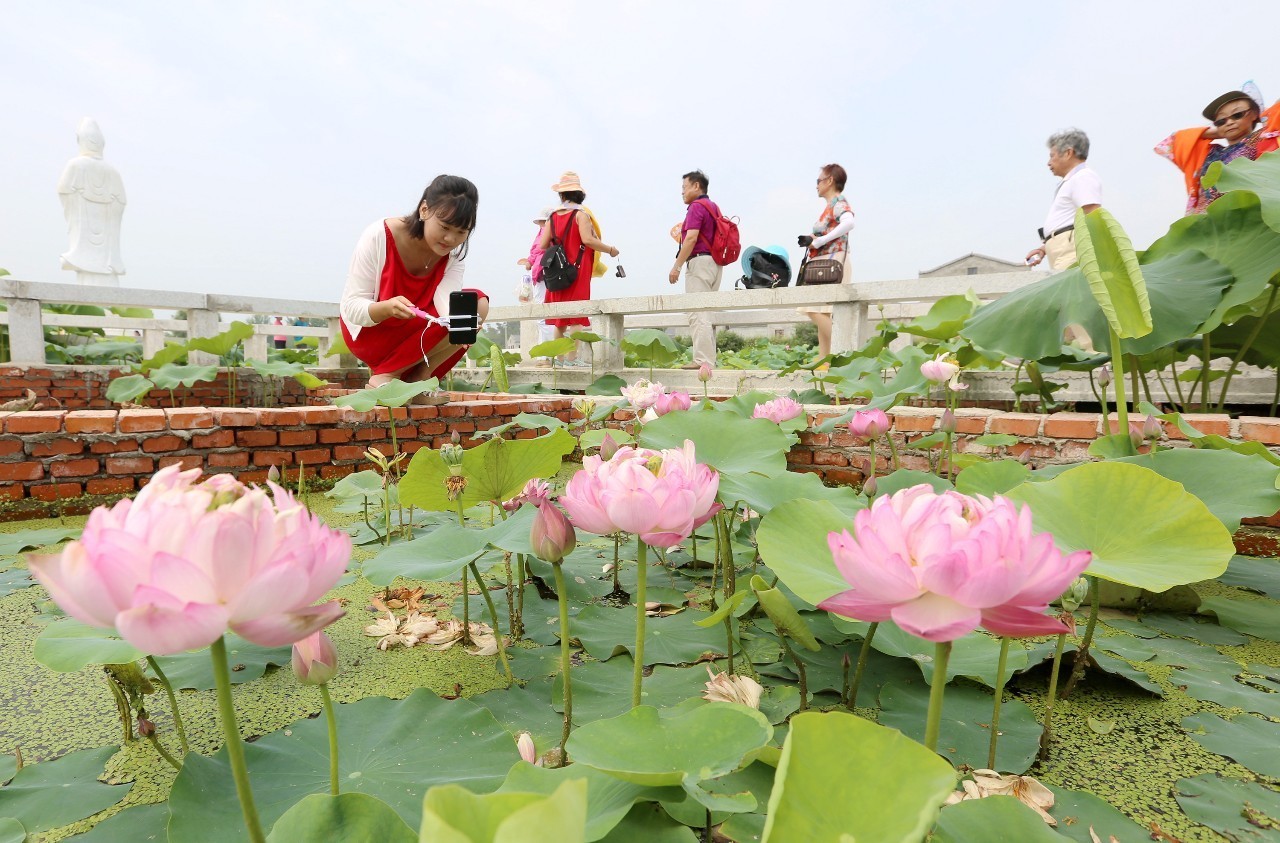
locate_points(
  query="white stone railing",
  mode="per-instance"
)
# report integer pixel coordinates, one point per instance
(852, 314)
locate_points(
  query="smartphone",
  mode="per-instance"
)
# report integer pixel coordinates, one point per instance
(464, 317)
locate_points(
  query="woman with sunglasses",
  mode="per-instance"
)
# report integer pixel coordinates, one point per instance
(1238, 119)
(830, 240)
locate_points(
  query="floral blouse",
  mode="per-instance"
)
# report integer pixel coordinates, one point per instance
(830, 218)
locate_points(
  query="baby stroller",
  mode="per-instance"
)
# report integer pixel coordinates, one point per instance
(765, 268)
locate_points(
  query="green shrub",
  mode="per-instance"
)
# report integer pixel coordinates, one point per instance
(805, 333)
(730, 341)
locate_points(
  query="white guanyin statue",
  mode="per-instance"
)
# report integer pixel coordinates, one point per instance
(93, 201)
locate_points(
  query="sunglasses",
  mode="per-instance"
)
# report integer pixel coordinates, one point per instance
(821, 179)
(1222, 121)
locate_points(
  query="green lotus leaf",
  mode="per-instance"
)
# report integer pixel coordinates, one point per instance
(606, 632)
(783, 614)
(905, 478)
(651, 747)
(282, 369)
(1110, 267)
(974, 656)
(596, 684)
(1233, 486)
(1203, 631)
(1248, 740)
(553, 348)
(394, 393)
(609, 799)
(595, 438)
(221, 344)
(440, 554)
(62, 791)
(1260, 575)
(944, 318)
(362, 484)
(128, 388)
(1228, 693)
(1078, 812)
(1143, 529)
(606, 385)
(172, 375)
(1254, 617)
(974, 819)
(68, 645)
(992, 478)
(793, 543)
(349, 817)
(11, 831)
(140, 824)
(249, 661)
(651, 346)
(762, 493)
(1238, 810)
(452, 814)
(650, 823)
(496, 470)
(815, 799)
(724, 441)
(385, 751)
(1261, 177)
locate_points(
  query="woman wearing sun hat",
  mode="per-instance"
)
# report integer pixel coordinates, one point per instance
(1239, 120)
(577, 229)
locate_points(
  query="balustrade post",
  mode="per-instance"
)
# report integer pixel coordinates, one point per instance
(849, 326)
(611, 329)
(152, 341)
(204, 324)
(256, 347)
(26, 331)
(335, 361)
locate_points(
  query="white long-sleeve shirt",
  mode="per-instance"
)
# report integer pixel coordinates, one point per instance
(365, 272)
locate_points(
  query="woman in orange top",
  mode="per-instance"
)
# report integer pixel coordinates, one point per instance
(1239, 119)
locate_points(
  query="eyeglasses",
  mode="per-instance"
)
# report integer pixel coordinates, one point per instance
(821, 179)
(1222, 121)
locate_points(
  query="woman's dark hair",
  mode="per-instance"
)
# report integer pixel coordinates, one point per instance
(837, 174)
(577, 197)
(451, 199)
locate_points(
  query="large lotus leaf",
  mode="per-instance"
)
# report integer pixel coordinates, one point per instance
(974, 819)
(650, 823)
(441, 554)
(1263, 341)
(345, 818)
(11, 831)
(527, 708)
(651, 346)
(793, 543)
(496, 470)
(965, 736)
(761, 494)
(172, 375)
(1261, 177)
(553, 348)
(609, 799)
(362, 484)
(1111, 269)
(1233, 486)
(392, 749)
(67, 645)
(905, 478)
(865, 379)
(814, 798)
(1079, 812)
(282, 369)
(606, 632)
(1142, 529)
(1238, 810)
(127, 388)
(1183, 289)
(652, 747)
(1258, 618)
(725, 441)
(394, 393)
(597, 694)
(142, 824)
(172, 351)
(1260, 575)
(1228, 693)
(992, 478)
(944, 318)
(1234, 234)
(12, 543)
(451, 814)
(975, 656)
(1202, 631)
(221, 344)
(1248, 740)
(248, 662)
(14, 579)
(62, 791)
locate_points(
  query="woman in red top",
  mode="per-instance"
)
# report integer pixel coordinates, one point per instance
(408, 262)
(575, 227)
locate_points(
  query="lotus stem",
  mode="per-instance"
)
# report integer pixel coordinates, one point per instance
(637, 677)
(164, 753)
(1246, 345)
(1133, 378)
(893, 450)
(1046, 737)
(871, 468)
(173, 703)
(466, 590)
(1206, 353)
(565, 658)
(235, 747)
(863, 655)
(995, 711)
(522, 573)
(1117, 361)
(391, 417)
(493, 616)
(800, 671)
(941, 655)
(1082, 655)
(511, 596)
(332, 721)
(122, 708)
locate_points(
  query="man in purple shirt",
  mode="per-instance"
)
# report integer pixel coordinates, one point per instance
(701, 273)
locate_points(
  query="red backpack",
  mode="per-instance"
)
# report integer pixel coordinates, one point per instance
(725, 244)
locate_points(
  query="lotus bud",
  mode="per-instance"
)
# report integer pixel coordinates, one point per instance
(273, 474)
(146, 728)
(608, 447)
(869, 486)
(845, 661)
(552, 536)
(315, 659)
(1075, 595)
(529, 752)
(1136, 435)
(869, 424)
(704, 372)
(1104, 376)
(456, 439)
(1151, 429)
(947, 424)
(671, 402)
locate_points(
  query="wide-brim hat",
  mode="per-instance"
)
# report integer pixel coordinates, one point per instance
(1211, 110)
(568, 182)
(751, 251)
(544, 214)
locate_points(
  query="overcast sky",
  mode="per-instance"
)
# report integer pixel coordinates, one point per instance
(257, 139)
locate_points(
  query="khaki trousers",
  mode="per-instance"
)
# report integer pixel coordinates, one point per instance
(1060, 250)
(702, 275)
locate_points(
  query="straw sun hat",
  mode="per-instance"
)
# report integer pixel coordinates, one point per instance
(568, 182)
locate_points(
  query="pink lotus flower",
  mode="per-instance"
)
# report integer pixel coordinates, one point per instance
(941, 565)
(869, 424)
(939, 369)
(551, 535)
(175, 568)
(642, 394)
(778, 410)
(315, 659)
(661, 496)
(534, 492)
(672, 401)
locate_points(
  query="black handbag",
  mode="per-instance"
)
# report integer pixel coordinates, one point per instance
(557, 272)
(821, 271)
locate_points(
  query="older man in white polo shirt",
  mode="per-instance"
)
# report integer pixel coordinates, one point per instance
(1080, 188)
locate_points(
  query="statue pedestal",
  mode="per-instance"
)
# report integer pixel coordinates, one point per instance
(97, 279)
